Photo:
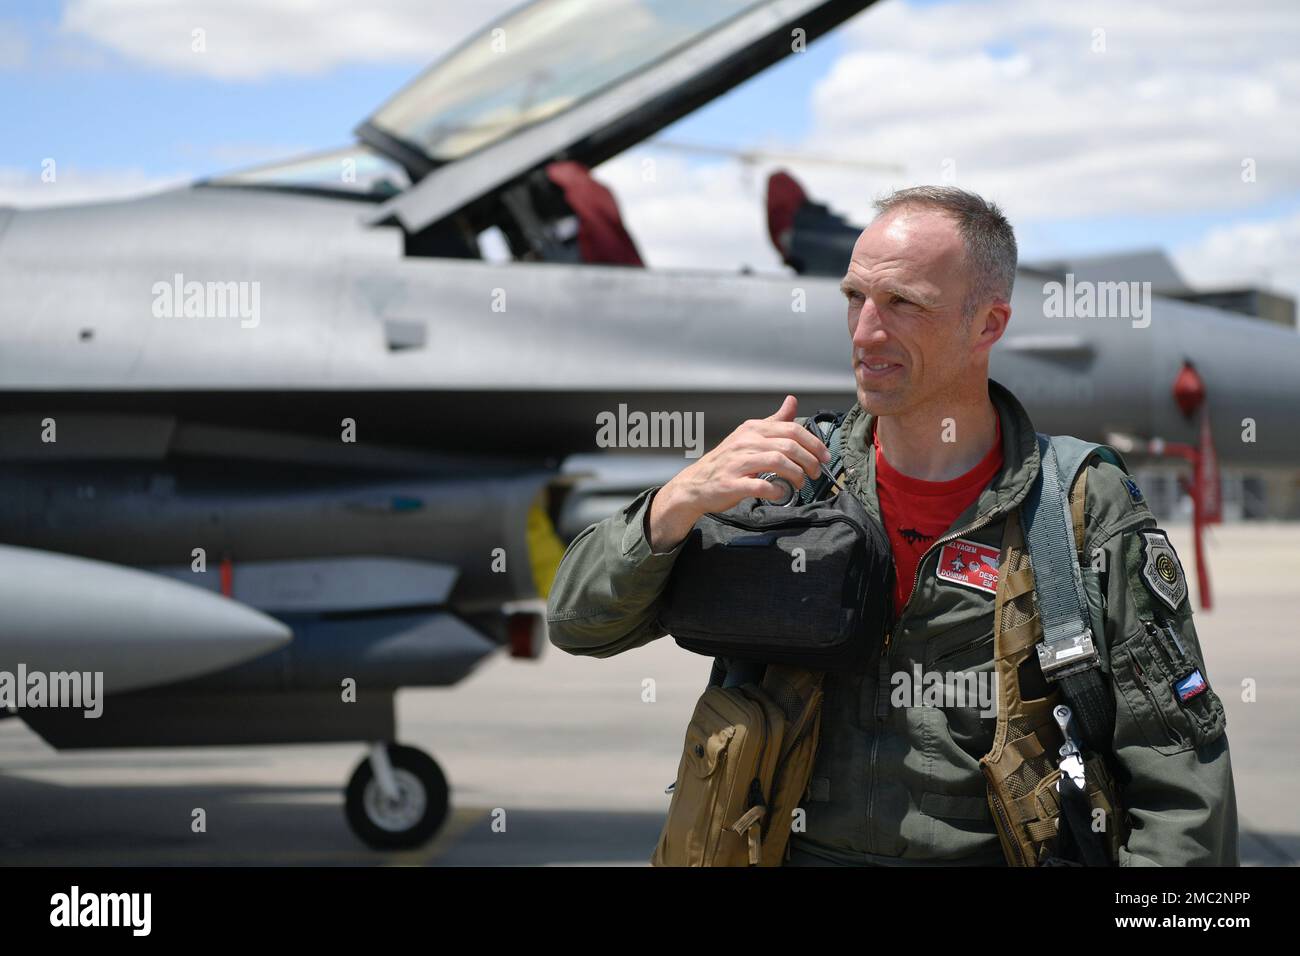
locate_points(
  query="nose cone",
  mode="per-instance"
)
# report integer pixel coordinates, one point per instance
(63, 613)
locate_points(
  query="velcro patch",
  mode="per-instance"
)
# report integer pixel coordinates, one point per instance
(969, 563)
(1161, 571)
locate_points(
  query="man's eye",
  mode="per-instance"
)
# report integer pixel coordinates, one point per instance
(898, 299)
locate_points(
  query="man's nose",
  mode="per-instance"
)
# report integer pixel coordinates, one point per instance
(868, 328)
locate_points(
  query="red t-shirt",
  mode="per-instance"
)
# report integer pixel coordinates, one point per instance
(916, 512)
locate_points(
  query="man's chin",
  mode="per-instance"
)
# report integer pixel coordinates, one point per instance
(880, 401)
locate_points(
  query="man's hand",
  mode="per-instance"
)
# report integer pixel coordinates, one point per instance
(726, 475)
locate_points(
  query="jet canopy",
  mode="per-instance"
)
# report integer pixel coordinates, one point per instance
(571, 80)
(534, 63)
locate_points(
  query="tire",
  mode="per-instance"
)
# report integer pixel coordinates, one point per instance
(417, 816)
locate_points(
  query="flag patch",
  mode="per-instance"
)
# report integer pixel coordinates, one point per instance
(1190, 686)
(966, 562)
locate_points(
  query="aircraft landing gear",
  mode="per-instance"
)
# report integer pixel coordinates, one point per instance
(397, 797)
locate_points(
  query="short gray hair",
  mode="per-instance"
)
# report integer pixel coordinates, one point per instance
(987, 235)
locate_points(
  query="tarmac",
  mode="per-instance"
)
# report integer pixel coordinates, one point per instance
(563, 761)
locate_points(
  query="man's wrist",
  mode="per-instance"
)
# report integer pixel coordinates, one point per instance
(667, 522)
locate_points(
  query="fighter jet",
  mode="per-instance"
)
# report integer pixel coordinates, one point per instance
(303, 387)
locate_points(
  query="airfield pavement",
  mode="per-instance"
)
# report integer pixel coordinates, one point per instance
(577, 760)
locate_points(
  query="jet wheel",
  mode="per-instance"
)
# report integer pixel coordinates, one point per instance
(414, 816)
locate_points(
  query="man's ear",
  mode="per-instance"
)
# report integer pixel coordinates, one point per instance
(991, 322)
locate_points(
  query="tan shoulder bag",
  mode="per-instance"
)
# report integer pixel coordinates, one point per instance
(745, 766)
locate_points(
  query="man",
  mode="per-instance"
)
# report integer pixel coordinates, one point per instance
(942, 456)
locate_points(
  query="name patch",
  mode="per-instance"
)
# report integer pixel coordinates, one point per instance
(971, 564)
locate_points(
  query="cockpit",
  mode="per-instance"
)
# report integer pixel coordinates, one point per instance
(501, 134)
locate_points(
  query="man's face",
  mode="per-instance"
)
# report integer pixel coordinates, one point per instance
(905, 287)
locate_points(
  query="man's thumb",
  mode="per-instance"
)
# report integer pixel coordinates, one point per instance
(786, 413)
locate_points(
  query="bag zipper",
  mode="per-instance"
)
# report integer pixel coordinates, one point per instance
(791, 523)
(852, 522)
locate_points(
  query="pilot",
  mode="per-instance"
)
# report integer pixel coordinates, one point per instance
(943, 457)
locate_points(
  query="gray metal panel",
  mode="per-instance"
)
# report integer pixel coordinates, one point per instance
(148, 516)
(378, 651)
(286, 448)
(83, 303)
(451, 187)
(1143, 265)
(583, 338)
(1067, 345)
(216, 224)
(328, 584)
(1124, 384)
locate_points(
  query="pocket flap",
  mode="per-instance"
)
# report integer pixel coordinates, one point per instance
(955, 807)
(704, 751)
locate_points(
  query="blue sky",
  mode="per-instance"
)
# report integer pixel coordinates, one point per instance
(83, 82)
(112, 112)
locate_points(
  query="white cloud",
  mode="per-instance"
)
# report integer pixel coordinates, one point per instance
(249, 39)
(24, 187)
(1012, 98)
(685, 215)
(1014, 94)
(1259, 253)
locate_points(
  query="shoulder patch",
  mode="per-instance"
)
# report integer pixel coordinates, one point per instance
(1161, 571)
(1134, 492)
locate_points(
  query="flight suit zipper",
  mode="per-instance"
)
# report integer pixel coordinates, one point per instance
(882, 679)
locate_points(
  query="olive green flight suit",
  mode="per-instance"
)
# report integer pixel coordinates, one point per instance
(902, 785)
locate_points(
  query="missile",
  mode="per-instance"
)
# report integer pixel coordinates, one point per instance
(62, 613)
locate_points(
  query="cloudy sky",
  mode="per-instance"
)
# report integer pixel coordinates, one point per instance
(1099, 127)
